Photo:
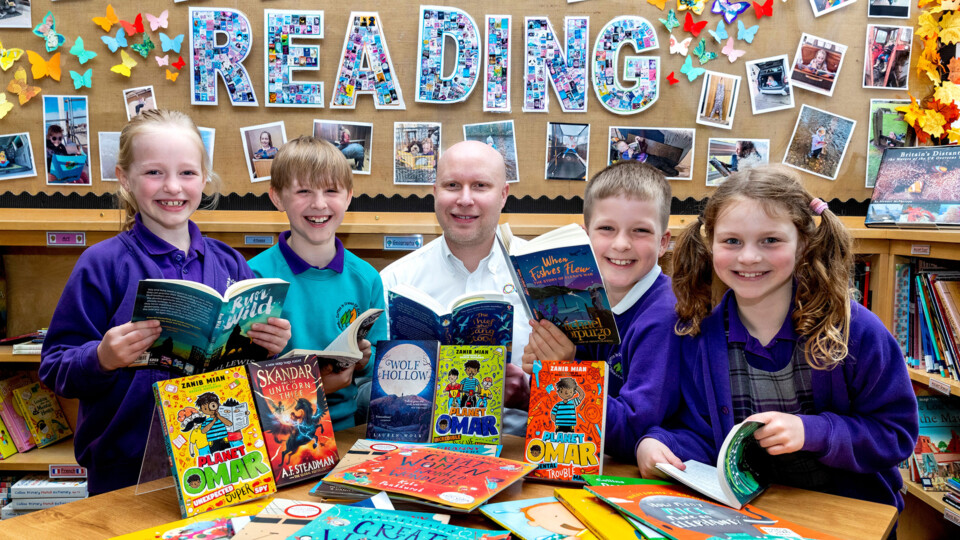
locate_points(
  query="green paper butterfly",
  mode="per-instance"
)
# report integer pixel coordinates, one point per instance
(702, 53)
(82, 54)
(79, 81)
(671, 21)
(143, 48)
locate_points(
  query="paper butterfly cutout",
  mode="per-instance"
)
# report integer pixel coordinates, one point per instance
(732, 54)
(691, 72)
(695, 6)
(126, 66)
(143, 48)
(172, 75)
(671, 21)
(107, 21)
(672, 79)
(157, 21)
(729, 10)
(179, 63)
(659, 3)
(702, 53)
(115, 43)
(5, 106)
(9, 56)
(135, 28)
(42, 68)
(692, 27)
(48, 31)
(79, 81)
(167, 44)
(679, 47)
(746, 34)
(162, 61)
(82, 54)
(764, 10)
(20, 87)
(721, 33)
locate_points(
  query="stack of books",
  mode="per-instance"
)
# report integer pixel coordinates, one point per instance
(36, 492)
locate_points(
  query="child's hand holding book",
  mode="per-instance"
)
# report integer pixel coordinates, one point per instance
(123, 344)
(272, 336)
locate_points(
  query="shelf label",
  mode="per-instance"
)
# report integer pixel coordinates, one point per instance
(258, 239)
(951, 516)
(407, 242)
(66, 238)
(919, 249)
(939, 386)
(67, 471)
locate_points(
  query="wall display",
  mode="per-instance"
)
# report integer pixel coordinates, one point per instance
(15, 14)
(260, 145)
(568, 151)
(16, 157)
(886, 128)
(66, 123)
(353, 139)
(365, 66)
(109, 143)
(718, 100)
(501, 136)
(819, 142)
(644, 72)
(893, 9)
(416, 149)
(496, 83)
(668, 149)
(886, 62)
(283, 30)
(822, 7)
(208, 135)
(137, 100)
(816, 64)
(565, 68)
(769, 83)
(220, 41)
(727, 156)
(437, 24)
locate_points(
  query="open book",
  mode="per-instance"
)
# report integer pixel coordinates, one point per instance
(344, 350)
(558, 279)
(202, 330)
(731, 482)
(480, 318)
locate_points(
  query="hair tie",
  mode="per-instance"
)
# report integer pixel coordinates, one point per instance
(818, 206)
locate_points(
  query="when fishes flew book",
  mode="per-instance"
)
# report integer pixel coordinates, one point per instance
(212, 434)
(468, 405)
(479, 318)
(296, 422)
(401, 395)
(567, 418)
(559, 280)
(202, 330)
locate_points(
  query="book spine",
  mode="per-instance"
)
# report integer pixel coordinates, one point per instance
(35, 492)
(939, 319)
(39, 504)
(16, 425)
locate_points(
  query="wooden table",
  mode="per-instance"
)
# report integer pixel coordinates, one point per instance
(123, 511)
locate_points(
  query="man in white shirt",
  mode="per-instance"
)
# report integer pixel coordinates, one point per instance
(470, 192)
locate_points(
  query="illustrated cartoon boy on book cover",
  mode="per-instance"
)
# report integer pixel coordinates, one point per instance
(470, 389)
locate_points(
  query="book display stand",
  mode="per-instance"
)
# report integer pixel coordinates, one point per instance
(156, 462)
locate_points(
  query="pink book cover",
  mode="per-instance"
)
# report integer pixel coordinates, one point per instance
(11, 416)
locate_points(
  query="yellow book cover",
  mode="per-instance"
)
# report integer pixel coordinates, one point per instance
(42, 412)
(221, 521)
(599, 517)
(212, 433)
(7, 448)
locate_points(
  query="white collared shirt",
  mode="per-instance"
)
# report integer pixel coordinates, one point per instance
(637, 291)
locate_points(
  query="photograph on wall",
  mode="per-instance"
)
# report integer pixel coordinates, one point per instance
(816, 64)
(109, 143)
(769, 83)
(260, 146)
(136, 100)
(718, 100)
(668, 149)
(16, 156)
(501, 137)
(66, 128)
(353, 139)
(568, 151)
(15, 14)
(886, 128)
(208, 135)
(822, 7)
(890, 9)
(727, 156)
(886, 62)
(416, 149)
(819, 142)
(917, 186)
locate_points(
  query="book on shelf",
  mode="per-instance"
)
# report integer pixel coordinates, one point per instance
(468, 405)
(916, 187)
(603, 520)
(349, 522)
(566, 419)
(27, 348)
(34, 486)
(537, 519)
(344, 350)
(41, 502)
(731, 481)
(42, 413)
(558, 279)
(402, 390)
(479, 318)
(202, 330)
(937, 453)
(7, 447)
(12, 415)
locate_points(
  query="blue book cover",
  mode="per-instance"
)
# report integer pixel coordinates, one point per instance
(482, 318)
(401, 395)
(350, 523)
(544, 518)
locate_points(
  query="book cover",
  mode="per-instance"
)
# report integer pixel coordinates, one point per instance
(559, 280)
(38, 485)
(296, 422)
(566, 419)
(538, 519)
(281, 518)
(468, 406)
(216, 524)
(349, 523)
(606, 480)
(600, 518)
(450, 480)
(42, 412)
(480, 318)
(202, 331)
(212, 434)
(916, 187)
(679, 514)
(401, 395)
(11, 414)
(901, 306)
(7, 448)
(937, 453)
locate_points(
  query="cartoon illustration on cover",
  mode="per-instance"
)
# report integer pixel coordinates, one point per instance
(469, 394)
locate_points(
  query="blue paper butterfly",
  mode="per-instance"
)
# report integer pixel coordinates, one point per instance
(48, 31)
(167, 44)
(79, 81)
(671, 21)
(721, 34)
(82, 54)
(691, 72)
(746, 34)
(702, 53)
(115, 43)
(730, 10)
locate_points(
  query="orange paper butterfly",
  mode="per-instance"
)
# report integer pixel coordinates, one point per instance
(135, 28)
(41, 68)
(107, 21)
(20, 87)
(172, 75)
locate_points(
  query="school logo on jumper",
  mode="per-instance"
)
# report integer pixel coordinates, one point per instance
(346, 314)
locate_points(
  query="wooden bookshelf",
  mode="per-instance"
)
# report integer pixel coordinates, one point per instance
(934, 382)
(7, 356)
(932, 498)
(39, 459)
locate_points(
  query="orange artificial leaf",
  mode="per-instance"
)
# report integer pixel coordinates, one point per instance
(948, 110)
(927, 26)
(911, 112)
(950, 28)
(953, 135)
(933, 123)
(931, 50)
(659, 3)
(927, 67)
(947, 92)
(922, 3)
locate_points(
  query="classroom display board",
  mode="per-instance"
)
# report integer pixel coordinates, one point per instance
(699, 88)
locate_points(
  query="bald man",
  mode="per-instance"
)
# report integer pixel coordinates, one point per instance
(470, 192)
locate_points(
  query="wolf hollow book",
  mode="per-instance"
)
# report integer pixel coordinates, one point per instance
(296, 422)
(401, 394)
(201, 330)
(468, 403)
(213, 436)
(559, 280)
(480, 318)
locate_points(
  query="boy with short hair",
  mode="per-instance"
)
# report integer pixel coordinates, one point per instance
(626, 212)
(312, 182)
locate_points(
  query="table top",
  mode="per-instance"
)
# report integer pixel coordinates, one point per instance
(124, 511)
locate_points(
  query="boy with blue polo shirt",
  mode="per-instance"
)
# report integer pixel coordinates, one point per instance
(312, 182)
